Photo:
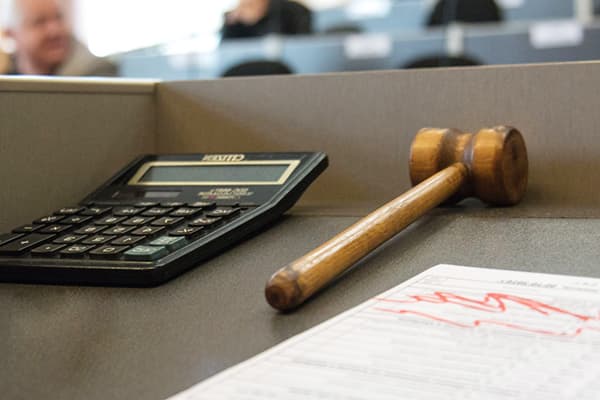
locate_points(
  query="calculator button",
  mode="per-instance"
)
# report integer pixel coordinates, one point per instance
(145, 204)
(24, 243)
(55, 229)
(202, 204)
(110, 220)
(68, 239)
(127, 211)
(89, 230)
(118, 230)
(223, 212)
(127, 240)
(105, 203)
(108, 251)
(69, 210)
(98, 239)
(146, 253)
(28, 228)
(170, 242)
(186, 231)
(147, 230)
(47, 249)
(51, 219)
(135, 221)
(9, 237)
(156, 212)
(76, 250)
(75, 220)
(167, 221)
(96, 211)
(204, 221)
(172, 204)
(185, 212)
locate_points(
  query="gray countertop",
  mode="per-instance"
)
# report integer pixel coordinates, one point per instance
(119, 343)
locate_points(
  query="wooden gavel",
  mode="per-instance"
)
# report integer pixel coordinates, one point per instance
(446, 165)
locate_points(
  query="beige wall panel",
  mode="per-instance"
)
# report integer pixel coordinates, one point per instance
(366, 121)
(57, 145)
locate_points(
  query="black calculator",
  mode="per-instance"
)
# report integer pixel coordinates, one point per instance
(157, 217)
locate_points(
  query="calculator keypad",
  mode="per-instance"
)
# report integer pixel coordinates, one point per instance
(9, 237)
(27, 228)
(144, 231)
(24, 243)
(47, 249)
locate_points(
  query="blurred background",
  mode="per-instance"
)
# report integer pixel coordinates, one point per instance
(196, 39)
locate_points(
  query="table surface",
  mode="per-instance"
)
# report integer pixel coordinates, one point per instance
(64, 342)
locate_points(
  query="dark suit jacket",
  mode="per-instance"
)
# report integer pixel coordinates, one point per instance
(283, 17)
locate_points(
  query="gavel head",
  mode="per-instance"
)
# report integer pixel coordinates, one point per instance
(496, 159)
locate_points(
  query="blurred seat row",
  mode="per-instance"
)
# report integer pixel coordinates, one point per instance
(283, 36)
(538, 31)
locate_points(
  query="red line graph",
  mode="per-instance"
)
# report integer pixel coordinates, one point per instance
(500, 304)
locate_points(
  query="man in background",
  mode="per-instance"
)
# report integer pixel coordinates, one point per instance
(253, 18)
(44, 42)
(4, 62)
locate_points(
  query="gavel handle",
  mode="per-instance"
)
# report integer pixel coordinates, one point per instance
(293, 284)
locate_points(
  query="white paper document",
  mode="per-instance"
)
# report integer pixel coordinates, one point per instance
(449, 333)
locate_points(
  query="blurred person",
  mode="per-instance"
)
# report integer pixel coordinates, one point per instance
(470, 11)
(4, 62)
(253, 18)
(44, 42)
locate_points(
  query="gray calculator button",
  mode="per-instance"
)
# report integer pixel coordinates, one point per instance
(135, 221)
(186, 231)
(89, 230)
(202, 204)
(75, 220)
(68, 239)
(127, 211)
(95, 211)
(145, 204)
(127, 240)
(205, 221)
(47, 249)
(156, 212)
(24, 243)
(147, 230)
(146, 253)
(76, 250)
(167, 221)
(223, 212)
(118, 230)
(69, 210)
(185, 212)
(9, 237)
(28, 228)
(51, 219)
(170, 242)
(108, 251)
(172, 204)
(110, 220)
(98, 239)
(55, 229)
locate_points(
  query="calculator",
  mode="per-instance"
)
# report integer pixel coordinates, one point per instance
(158, 217)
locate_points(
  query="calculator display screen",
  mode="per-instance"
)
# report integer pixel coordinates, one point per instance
(252, 173)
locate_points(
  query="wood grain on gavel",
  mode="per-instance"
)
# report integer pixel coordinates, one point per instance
(446, 165)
